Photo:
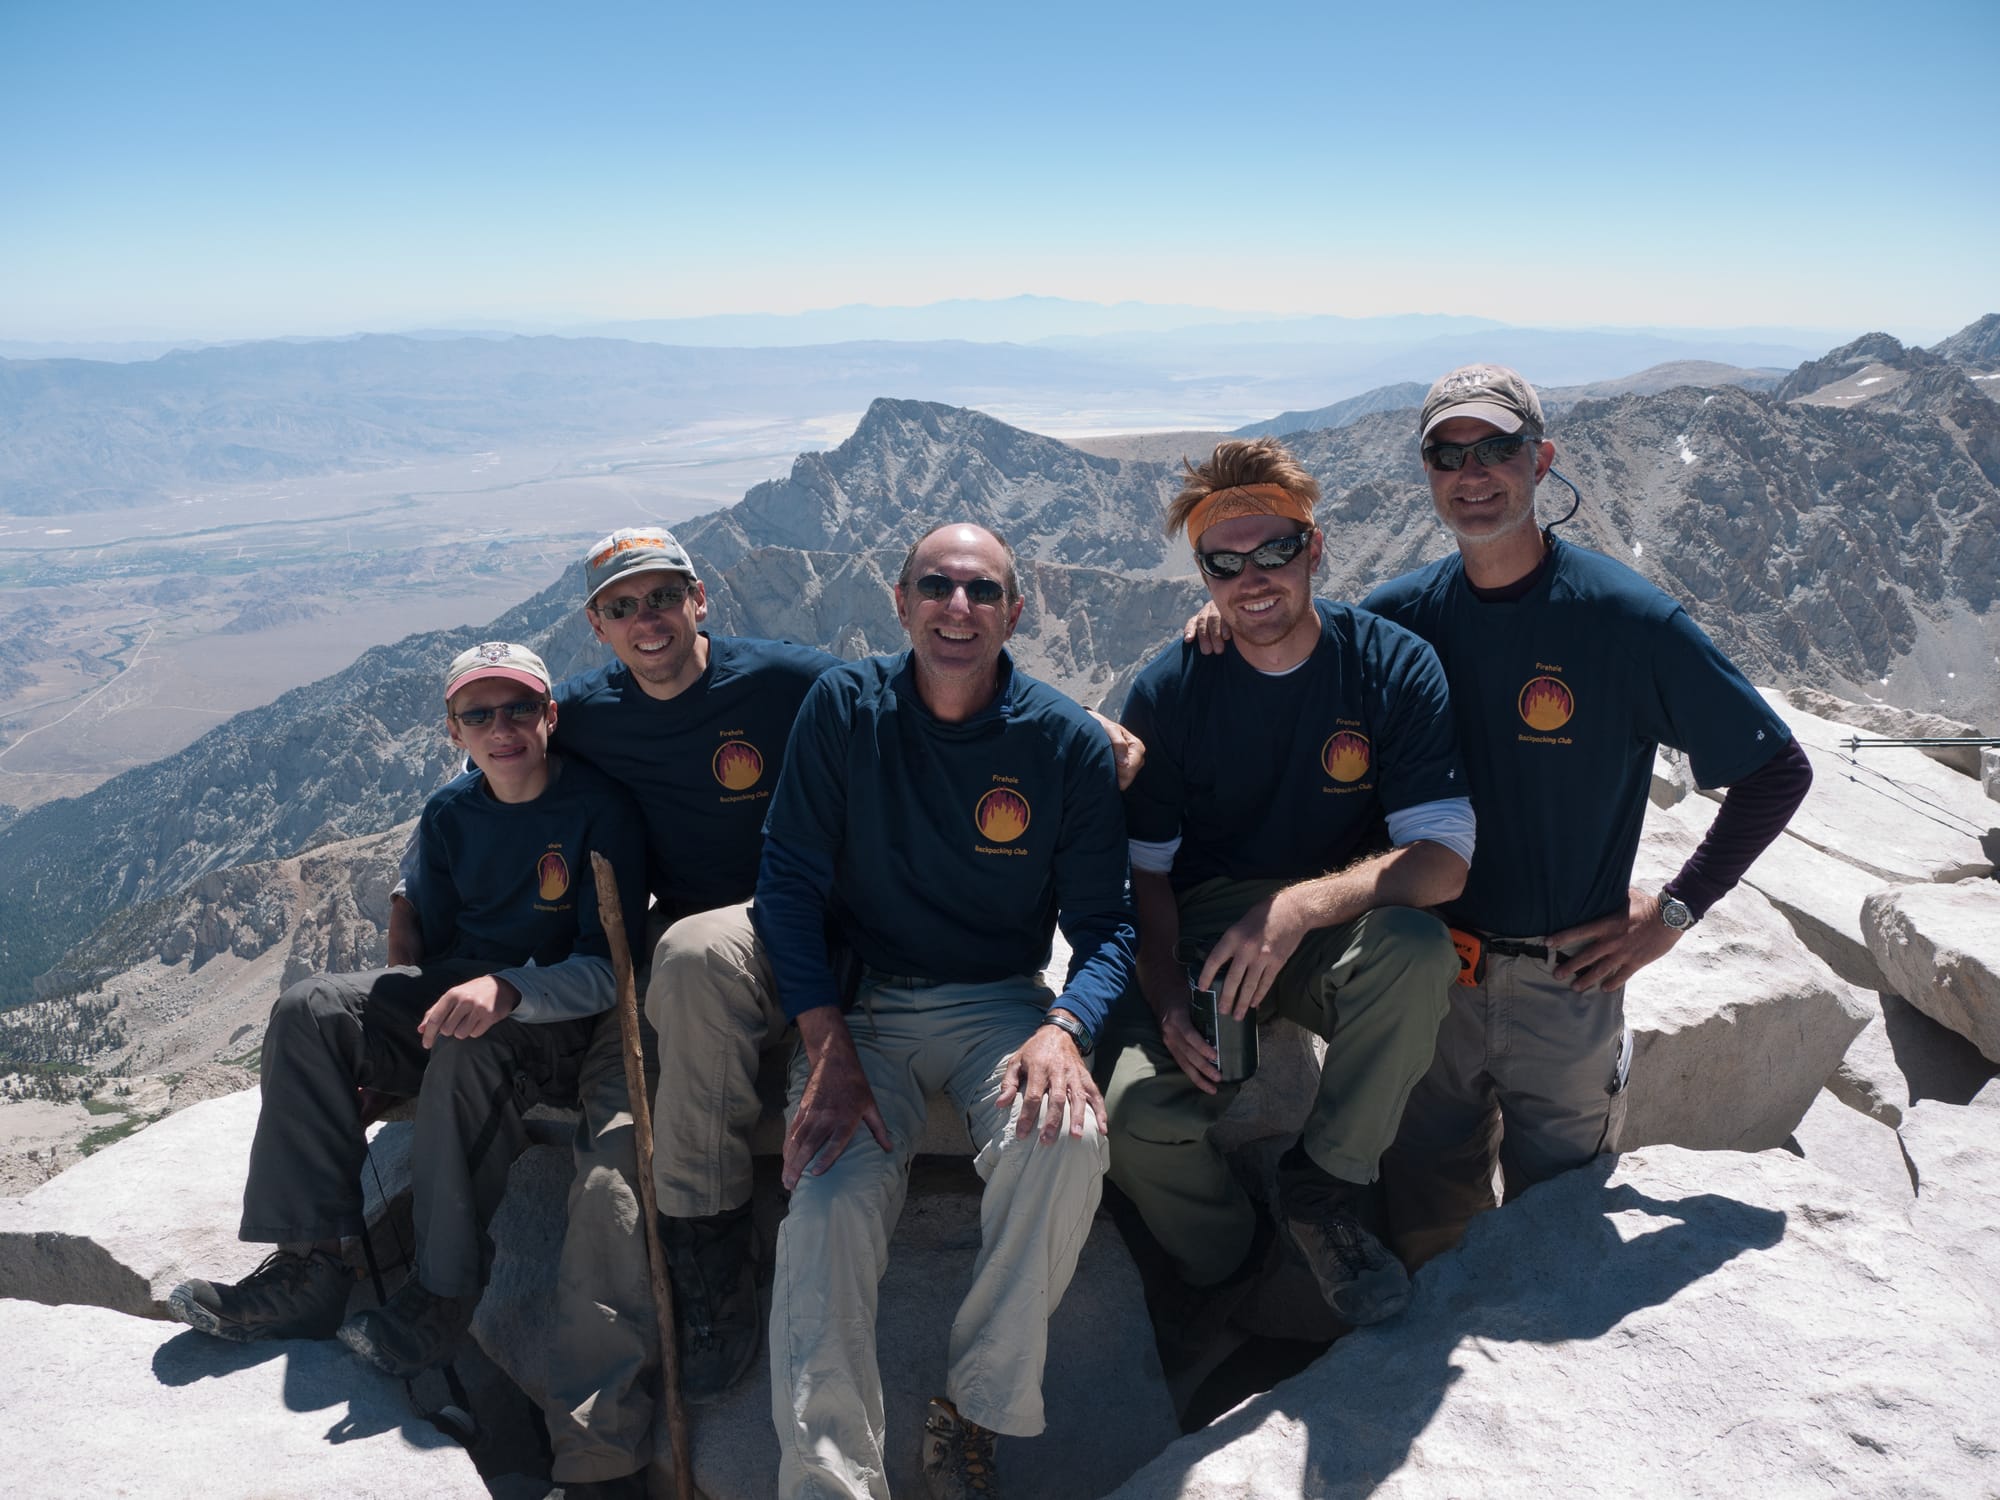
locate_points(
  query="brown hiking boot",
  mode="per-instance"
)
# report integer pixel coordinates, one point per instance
(958, 1455)
(1329, 1220)
(288, 1296)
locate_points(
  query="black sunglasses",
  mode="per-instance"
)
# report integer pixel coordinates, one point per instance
(1490, 452)
(938, 589)
(666, 596)
(1271, 556)
(518, 712)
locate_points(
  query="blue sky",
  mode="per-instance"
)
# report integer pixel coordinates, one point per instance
(205, 168)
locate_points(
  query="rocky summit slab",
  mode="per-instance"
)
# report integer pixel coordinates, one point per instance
(99, 1403)
(1939, 945)
(122, 1228)
(1669, 1322)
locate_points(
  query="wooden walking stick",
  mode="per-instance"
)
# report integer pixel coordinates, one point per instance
(612, 916)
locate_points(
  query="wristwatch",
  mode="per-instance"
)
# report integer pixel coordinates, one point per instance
(1674, 912)
(1074, 1029)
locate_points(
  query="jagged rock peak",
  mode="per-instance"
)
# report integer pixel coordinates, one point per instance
(1869, 349)
(1977, 344)
(912, 464)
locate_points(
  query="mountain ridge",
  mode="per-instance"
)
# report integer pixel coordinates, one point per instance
(1820, 545)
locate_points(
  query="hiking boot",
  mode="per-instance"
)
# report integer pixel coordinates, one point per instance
(958, 1455)
(712, 1263)
(1330, 1222)
(288, 1296)
(415, 1330)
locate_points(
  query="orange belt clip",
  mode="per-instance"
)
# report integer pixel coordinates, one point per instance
(1471, 957)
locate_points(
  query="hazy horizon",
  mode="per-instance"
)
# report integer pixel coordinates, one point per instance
(1040, 318)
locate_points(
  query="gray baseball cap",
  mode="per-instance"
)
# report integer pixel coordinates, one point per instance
(632, 549)
(1492, 393)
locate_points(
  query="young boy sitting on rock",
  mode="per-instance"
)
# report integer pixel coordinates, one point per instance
(491, 1014)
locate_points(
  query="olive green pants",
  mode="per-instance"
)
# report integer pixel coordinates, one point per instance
(1374, 988)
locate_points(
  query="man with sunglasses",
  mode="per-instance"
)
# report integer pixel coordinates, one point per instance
(939, 813)
(496, 1010)
(1300, 804)
(1566, 669)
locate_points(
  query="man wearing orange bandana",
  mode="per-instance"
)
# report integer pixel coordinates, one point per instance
(1258, 840)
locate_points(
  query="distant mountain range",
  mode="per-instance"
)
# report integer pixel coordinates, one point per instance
(81, 434)
(1853, 545)
(1409, 394)
(1014, 320)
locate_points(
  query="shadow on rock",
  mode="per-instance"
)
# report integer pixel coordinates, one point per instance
(318, 1374)
(1560, 1278)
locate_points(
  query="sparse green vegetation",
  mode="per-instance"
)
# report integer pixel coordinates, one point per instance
(107, 1134)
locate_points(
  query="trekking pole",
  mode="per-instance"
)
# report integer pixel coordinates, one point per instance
(612, 916)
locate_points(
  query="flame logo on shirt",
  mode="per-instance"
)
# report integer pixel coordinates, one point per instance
(1002, 815)
(552, 875)
(737, 765)
(1345, 756)
(1546, 704)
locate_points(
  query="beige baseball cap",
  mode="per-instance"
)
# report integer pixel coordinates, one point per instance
(496, 659)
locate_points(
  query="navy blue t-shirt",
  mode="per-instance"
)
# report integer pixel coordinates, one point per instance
(1289, 777)
(1561, 696)
(509, 883)
(701, 764)
(954, 846)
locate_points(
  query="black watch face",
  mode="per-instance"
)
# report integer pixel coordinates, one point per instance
(1675, 914)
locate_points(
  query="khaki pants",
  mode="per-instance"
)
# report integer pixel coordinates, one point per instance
(713, 1002)
(1530, 1075)
(826, 1390)
(1374, 988)
(604, 1354)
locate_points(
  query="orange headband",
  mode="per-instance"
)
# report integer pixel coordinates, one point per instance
(1244, 500)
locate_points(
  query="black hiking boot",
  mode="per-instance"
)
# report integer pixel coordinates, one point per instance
(1331, 1223)
(414, 1331)
(712, 1263)
(288, 1296)
(958, 1455)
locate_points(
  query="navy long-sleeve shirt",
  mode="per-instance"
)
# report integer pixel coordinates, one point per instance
(944, 851)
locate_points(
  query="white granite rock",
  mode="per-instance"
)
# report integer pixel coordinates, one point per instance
(1894, 723)
(1955, 1151)
(122, 1228)
(99, 1403)
(1666, 1323)
(1940, 947)
(1989, 772)
(1863, 1151)
(1896, 812)
(1903, 1056)
(1737, 1027)
(1673, 778)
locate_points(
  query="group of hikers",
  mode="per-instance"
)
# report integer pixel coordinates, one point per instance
(1407, 826)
